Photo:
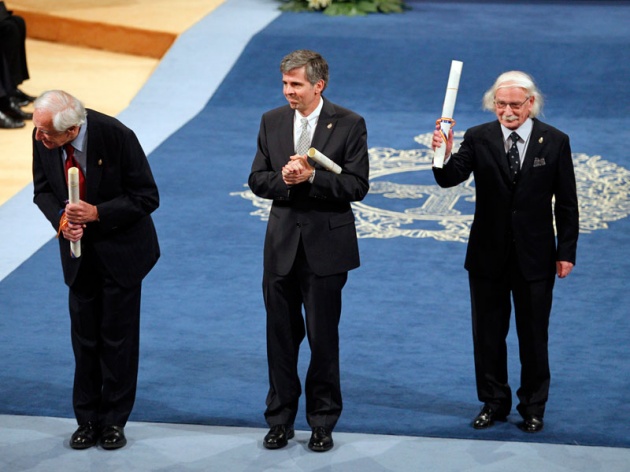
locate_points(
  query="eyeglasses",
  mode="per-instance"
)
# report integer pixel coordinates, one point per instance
(514, 106)
(51, 133)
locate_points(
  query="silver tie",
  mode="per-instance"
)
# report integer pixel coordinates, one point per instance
(304, 141)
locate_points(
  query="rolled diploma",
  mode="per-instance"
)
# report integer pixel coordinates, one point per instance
(447, 110)
(323, 160)
(73, 197)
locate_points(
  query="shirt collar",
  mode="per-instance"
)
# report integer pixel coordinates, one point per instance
(313, 117)
(523, 131)
(79, 142)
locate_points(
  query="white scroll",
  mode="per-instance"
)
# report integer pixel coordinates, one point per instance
(446, 121)
(73, 197)
(323, 161)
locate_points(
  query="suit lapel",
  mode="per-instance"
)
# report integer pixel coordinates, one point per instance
(52, 162)
(95, 160)
(325, 126)
(285, 126)
(536, 142)
(497, 149)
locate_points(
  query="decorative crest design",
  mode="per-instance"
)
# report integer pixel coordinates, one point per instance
(424, 210)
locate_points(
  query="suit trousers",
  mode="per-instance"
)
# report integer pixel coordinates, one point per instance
(13, 49)
(286, 328)
(491, 311)
(105, 332)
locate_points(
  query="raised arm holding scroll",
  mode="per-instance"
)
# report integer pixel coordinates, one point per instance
(446, 122)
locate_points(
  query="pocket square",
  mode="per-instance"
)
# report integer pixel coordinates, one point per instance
(539, 161)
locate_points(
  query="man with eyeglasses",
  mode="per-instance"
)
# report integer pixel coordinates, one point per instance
(119, 246)
(525, 182)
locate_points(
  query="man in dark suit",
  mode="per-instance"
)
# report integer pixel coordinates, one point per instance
(512, 248)
(119, 246)
(310, 245)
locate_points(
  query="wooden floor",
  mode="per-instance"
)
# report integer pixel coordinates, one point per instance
(103, 79)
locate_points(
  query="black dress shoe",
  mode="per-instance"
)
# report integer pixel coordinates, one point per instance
(23, 96)
(6, 122)
(12, 110)
(321, 440)
(85, 436)
(531, 424)
(17, 103)
(486, 418)
(113, 437)
(278, 436)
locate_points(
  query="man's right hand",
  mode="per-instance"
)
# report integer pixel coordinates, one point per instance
(73, 232)
(437, 140)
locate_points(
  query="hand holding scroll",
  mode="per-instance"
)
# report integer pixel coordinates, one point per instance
(81, 212)
(446, 121)
(72, 232)
(73, 198)
(438, 140)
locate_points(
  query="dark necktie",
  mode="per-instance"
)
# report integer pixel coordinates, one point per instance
(72, 162)
(513, 157)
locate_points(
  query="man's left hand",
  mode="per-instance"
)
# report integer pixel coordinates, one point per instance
(81, 213)
(563, 268)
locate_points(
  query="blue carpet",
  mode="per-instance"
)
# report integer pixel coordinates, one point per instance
(405, 333)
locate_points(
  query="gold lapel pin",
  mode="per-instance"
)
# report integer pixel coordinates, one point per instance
(329, 125)
(100, 162)
(540, 140)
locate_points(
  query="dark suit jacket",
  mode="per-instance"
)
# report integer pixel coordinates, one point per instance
(120, 183)
(319, 213)
(522, 212)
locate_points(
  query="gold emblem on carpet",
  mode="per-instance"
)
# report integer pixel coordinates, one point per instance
(398, 209)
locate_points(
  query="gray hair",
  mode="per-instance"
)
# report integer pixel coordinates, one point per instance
(518, 79)
(67, 111)
(315, 65)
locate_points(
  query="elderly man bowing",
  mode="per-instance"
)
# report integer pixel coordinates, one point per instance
(119, 246)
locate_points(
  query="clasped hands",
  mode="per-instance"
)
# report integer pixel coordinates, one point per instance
(297, 170)
(74, 219)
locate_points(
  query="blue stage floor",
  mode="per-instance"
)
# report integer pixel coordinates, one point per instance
(40, 443)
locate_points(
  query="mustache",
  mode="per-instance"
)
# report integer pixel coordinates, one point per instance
(510, 117)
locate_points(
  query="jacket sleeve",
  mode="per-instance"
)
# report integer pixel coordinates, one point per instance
(566, 209)
(459, 165)
(50, 204)
(134, 194)
(265, 178)
(352, 155)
